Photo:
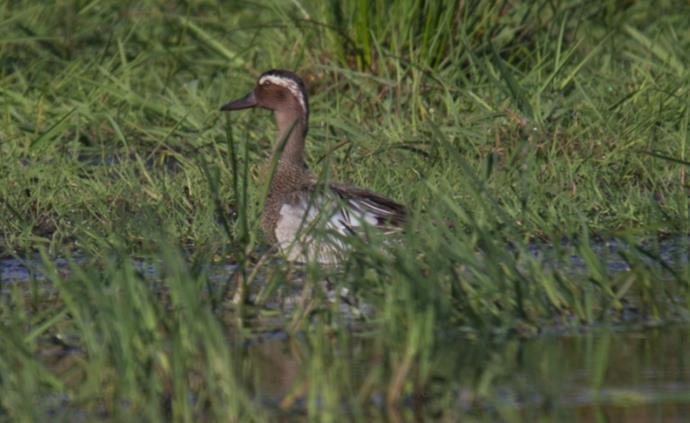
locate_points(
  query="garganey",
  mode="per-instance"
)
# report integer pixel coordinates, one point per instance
(298, 204)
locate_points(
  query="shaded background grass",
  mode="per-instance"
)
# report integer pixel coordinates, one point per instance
(515, 121)
(108, 107)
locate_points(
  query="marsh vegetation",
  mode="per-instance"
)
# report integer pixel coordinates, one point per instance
(541, 148)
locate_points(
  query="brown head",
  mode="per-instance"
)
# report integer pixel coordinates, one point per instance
(284, 93)
(281, 91)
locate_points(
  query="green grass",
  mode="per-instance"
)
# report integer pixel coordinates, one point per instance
(517, 122)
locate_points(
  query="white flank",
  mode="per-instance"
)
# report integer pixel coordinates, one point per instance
(289, 84)
(296, 220)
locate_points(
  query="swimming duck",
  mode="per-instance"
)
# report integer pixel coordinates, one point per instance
(298, 204)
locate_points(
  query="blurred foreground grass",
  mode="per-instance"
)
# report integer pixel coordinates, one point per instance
(519, 122)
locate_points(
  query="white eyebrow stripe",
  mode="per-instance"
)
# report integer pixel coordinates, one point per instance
(289, 84)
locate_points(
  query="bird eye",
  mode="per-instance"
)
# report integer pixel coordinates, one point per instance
(266, 83)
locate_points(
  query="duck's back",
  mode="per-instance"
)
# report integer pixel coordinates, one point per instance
(309, 220)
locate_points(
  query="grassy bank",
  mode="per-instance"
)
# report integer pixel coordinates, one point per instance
(519, 123)
(565, 116)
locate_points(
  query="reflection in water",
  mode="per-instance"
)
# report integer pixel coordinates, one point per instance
(633, 375)
(639, 375)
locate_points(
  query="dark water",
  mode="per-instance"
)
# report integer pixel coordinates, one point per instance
(637, 375)
(13, 270)
(608, 375)
(673, 252)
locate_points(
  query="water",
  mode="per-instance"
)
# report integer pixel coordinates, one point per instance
(672, 252)
(639, 374)
(13, 270)
(629, 373)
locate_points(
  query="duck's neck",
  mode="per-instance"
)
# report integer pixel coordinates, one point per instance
(292, 129)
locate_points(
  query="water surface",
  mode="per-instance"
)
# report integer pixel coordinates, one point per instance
(624, 374)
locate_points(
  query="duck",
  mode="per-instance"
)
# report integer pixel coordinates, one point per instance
(308, 219)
